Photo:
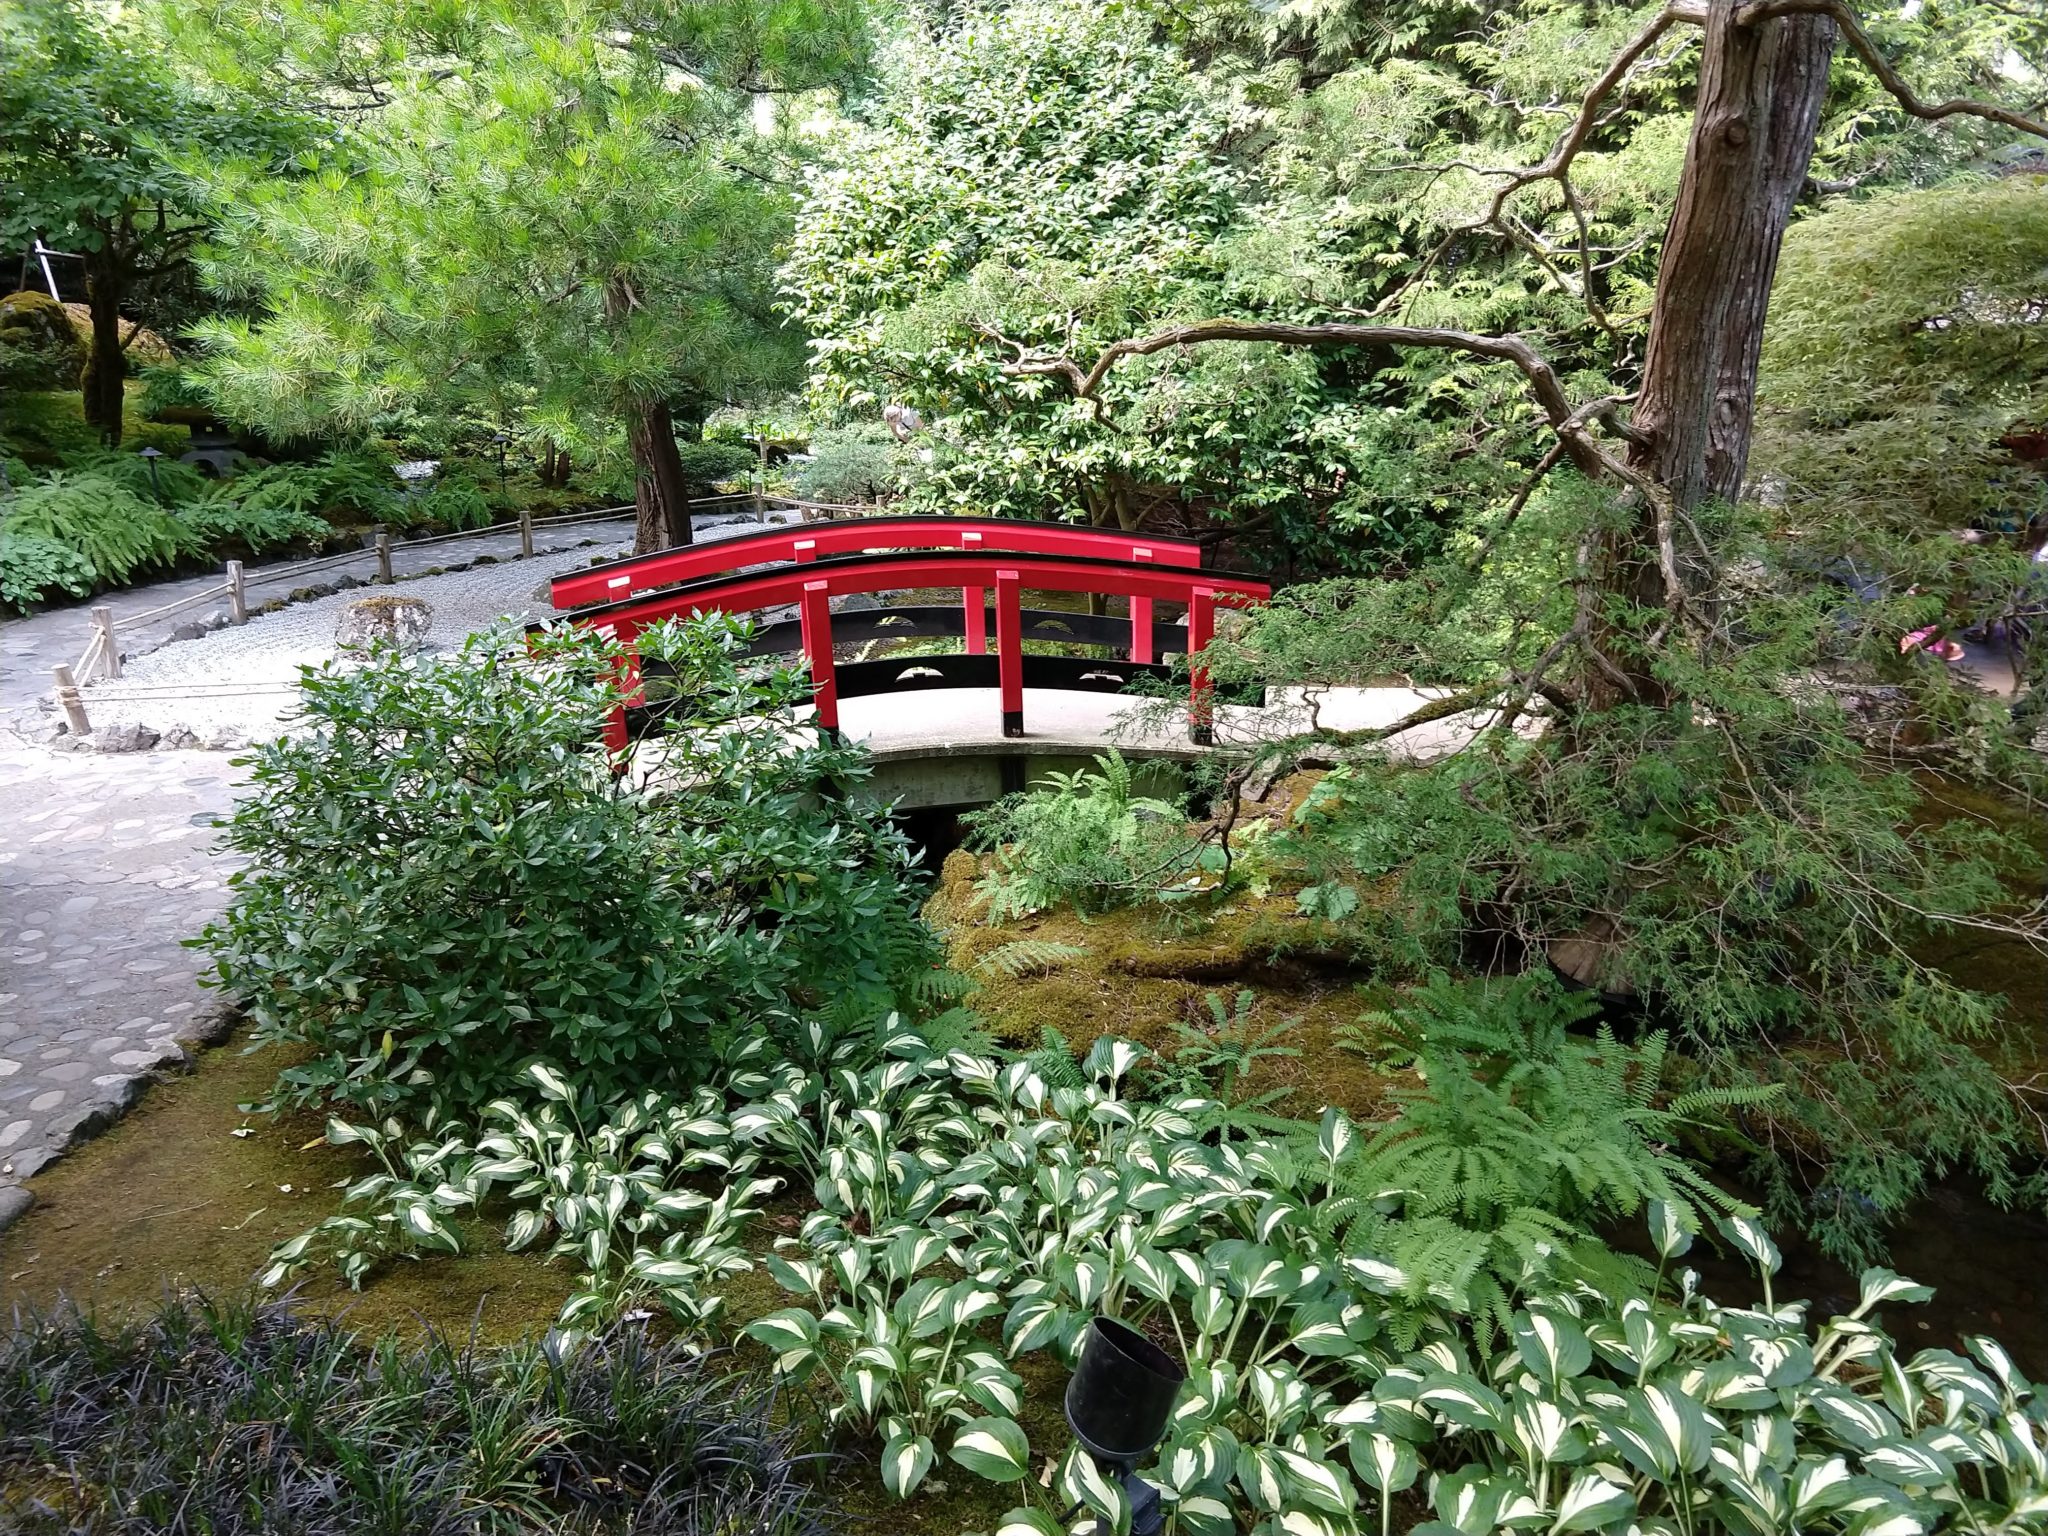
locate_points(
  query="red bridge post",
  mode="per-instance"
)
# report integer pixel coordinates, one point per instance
(1010, 650)
(974, 603)
(1141, 617)
(814, 615)
(1201, 699)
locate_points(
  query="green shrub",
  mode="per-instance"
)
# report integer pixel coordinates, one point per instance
(453, 502)
(860, 463)
(344, 484)
(222, 1417)
(175, 481)
(32, 567)
(218, 518)
(1524, 1138)
(447, 879)
(1087, 839)
(706, 464)
(113, 529)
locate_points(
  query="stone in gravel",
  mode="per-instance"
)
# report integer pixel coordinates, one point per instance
(223, 738)
(189, 632)
(399, 621)
(14, 1204)
(177, 739)
(123, 737)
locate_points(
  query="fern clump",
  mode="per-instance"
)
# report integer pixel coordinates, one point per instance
(1524, 1137)
(1087, 840)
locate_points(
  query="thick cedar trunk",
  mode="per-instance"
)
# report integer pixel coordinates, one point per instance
(1760, 97)
(105, 368)
(661, 499)
(1761, 90)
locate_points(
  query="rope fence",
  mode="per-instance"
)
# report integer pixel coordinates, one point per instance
(101, 658)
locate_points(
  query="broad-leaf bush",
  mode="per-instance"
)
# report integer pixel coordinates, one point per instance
(447, 878)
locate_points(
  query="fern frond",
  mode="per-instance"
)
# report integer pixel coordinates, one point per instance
(1028, 957)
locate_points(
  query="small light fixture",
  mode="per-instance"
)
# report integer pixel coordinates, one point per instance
(498, 441)
(149, 456)
(1118, 1403)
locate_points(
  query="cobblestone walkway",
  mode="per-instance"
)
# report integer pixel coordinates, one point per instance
(106, 867)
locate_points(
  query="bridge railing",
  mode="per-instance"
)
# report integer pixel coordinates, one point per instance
(801, 545)
(810, 586)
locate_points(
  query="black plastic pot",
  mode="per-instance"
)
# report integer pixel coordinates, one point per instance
(1122, 1392)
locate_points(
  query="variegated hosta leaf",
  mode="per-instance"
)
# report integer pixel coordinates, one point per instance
(1467, 1403)
(905, 1461)
(1027, 1522)
(994, 1448)
(1668, 1230)
(1388, 1464)
(1081, 1481)
(1552, 1346)
(1593, 1500)
(1336, 1136)
(1749, 1236)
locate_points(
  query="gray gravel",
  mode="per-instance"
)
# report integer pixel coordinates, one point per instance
(241, 683)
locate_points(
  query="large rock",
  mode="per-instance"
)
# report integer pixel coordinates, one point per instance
(38, 347)
(384, 620)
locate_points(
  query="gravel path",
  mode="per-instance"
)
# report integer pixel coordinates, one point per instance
(241, 683)
(107, 861)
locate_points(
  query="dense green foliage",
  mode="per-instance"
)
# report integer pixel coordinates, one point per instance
(971, 1218)
(522, 218)
(1524, 1138)
(1089, 839)
(222, 1416)
(447, 879)
(94, 125)
(1739, 861)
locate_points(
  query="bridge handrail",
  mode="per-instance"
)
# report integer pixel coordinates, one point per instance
(812, 585)
(894, 570)
(801, 544)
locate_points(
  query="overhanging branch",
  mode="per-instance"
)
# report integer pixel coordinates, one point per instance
(1867, 50)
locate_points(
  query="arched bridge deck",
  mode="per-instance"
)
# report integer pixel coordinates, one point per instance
(991, 562)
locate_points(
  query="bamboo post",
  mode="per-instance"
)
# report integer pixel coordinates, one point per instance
(238, 594)
(110, 655)
(383, 558)
(526, 534)
(72, 704)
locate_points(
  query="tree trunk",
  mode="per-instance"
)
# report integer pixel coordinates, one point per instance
(106, 369)
(661, 500)
(1761, 90)
(1753, 132)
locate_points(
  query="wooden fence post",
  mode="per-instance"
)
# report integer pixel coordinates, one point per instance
(238, 594)
(110, 654)
(526, 535)
(383, 558)
(73, 705)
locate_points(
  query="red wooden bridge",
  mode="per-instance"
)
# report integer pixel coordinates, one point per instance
(805, 567)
